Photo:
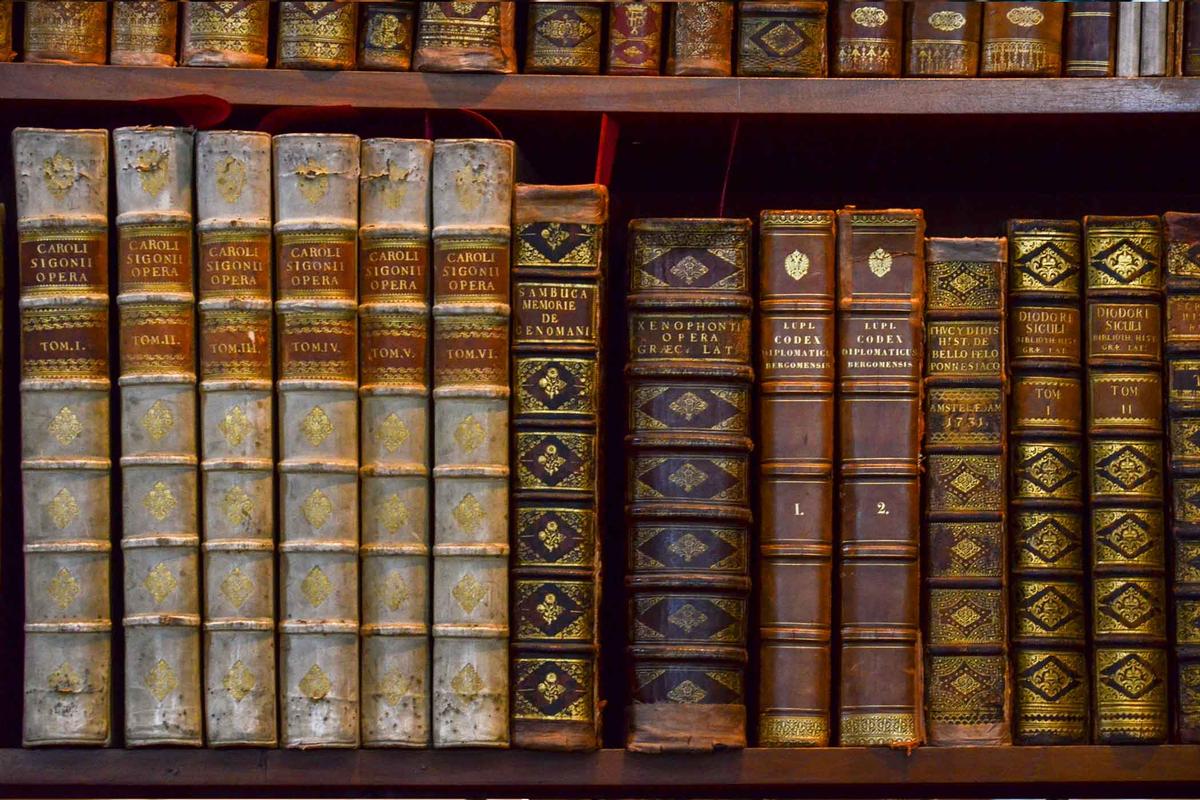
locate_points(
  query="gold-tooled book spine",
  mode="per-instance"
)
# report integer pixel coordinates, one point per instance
(635, 37)
(881, 300)
(66, 31)
(316, 35)
(564, 38)
(225, 34)
(316, 310)
(62, 241)
(782, 38)
(868, 38)
(1046, 483)
(466, 37)
(1125, 461)
(144, 33)
(559, 262)
(700, 41)
(967, 675)
(385, 35)
(394, 440)
(1022, 39)
(943, 39)
(6, 31)
(687, 496)
(237, 422)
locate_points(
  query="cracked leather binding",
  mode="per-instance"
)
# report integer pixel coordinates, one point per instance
(385, 35)
(1091, 40)
(66, 31)
(868, 39)
(701, 38)
(782, 38)
(466, 37)
(144, 33)
(943, 39)
(634, 37)
(1022, 39)
(225, 34)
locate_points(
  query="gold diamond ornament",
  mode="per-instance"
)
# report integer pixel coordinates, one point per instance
(65, 426)
(158, 420)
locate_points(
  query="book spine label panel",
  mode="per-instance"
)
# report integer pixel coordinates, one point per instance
(316, 35)
(701, 38)
(466, 37)
(144, 33)
(868, 39)
(66, 31)
(564, 38)
(634, 37)
(943, 39)
(1091, 40)
(385, 35)
(782, 38)
(1022, 39)
(225, 34)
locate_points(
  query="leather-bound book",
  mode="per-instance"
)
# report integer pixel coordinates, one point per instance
(1125, 461)
(688, 505)
(564, 38)
(634, 37)
(160, 539)
(868, 39)
(701, 38)
(393, 317)
(237, 425)
(385, 35)
(1091, 40)
(1182, 235)
(782, 38)
(225, 34)
(881, 299)
(1191, 38)
(1022, 39)
(559, 260)
(967, 683)
(316, 308)
(144, 33)
(797, 274)
(1046, 484)
(943, 39)
(316, 35)
(6, 31)
(472, 218)
(62, 242)
(66, 31)
(466, 37)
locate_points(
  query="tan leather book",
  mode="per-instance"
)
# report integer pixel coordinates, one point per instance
(466, 37)
(144, 33)
(868, 39)
(701, 38)
(225, 34)
(62, 242)
(1022, 39)
(385, 35)
(635, 31)
(6, 31)
(782, 38)
(66, 31)
(564, 38)
(316, 35)
(943, 39)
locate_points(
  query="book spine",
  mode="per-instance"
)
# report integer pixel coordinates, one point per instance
(466, 37)
(225, 34)
(881, 293)
(1049, 628)
(233, 227)
(66, 31)
(1125, 460)
(559, 261)
(782, 38)
(868, 39)
(943, 39)
(316, 233)
(564, 38)
(967, 676)
(1091, 40)
(394, 440)
(316, 35)
(1129, 40)
(634, 37)
(1022, 39)
(796, 367)
(472, 210)
(1155, 23)
(62, 229)
(701, 38)
(688, 506)
(143, 33)
(1191, 38)
(6, 31)
(160, 539)
(385, 35)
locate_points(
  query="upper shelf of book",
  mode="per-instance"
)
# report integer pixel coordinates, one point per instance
(616, 94)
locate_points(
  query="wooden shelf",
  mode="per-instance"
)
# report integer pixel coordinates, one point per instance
(561, 93)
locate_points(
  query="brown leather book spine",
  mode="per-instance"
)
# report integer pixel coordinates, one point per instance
(943, 39)
(796, 362)
(968, 684)
(1091, 34)
(230, 34)
(144, 33)
(1125, 460)
(385, 36)
(1022, 39)
(783, 38)
(1049, 619)
(701, 38)
(66, 31)
(317, 35)
(564, 38)
(634, 37)
(688, 510)
(881, 298)
(466, 37)
(868, 39)
(1191, 38)
(6, 31)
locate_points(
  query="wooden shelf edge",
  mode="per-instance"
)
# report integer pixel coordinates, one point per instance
(591, 94)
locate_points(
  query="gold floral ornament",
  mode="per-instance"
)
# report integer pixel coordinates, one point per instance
(395, 591)
(468, 513)
(947, 20)
(62, 509)
(238, 681)
(393, 514)
(688, 405)
(687, 477)
(689, 270)
(235, 426)
(550, 460)
(63, 588)
(392, 433)
(869, 16)
(688, 618)
(237, 506)
(550, 536)
(236, 588)
(158, 420)
(550, 608)
(796, 265)
(64, 680)
(687, 692)
(65, 427)
(551, 383)
(554, 235)
(1025, 16)
(316, 587)
(394, 686)
(317, 508)
(312, 179)
(880, 262)
(151, 167)
(59, 174)
(687, 547)
(161, 680)
(159, 501)
(315, 684)
(469, 434)
(160, 582)
(316, 426)
(550, 688)
(231, 179)
(468, 592)
(466, 684)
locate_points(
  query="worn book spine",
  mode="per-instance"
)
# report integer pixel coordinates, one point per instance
(1046, 484)
(1190, 56)
(62, 242)
(967, 676)
(316, 309)
(385, 35)
(700, 41)
(472, 218)
(688, 506)
(634, 37)
(225, 34)
(1022, 39)
(1154, 41)
(881, 299)
(943, 39)
(868, 39)
(564, 38)
(237, 423)
(6, 31)
(466, 37)
(1091, 40)
(797, 274)
(1125, 460)
(782, 38)
(394, 440)
(1129, 39)
(66, 31)
(143, 33)
(559, 262)
(316, 35)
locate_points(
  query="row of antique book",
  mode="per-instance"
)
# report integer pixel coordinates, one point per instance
(770, 37)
